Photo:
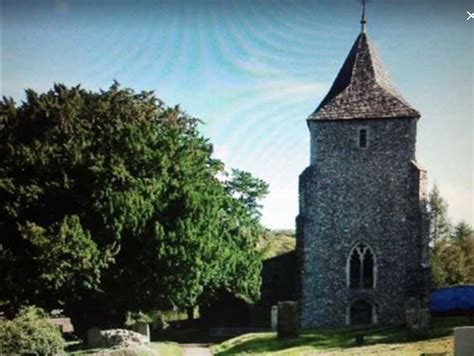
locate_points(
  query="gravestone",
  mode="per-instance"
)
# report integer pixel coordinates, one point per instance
(417, 317)
(143, 328)
(64, 324)
(288, 319)
(274, 317)
(464, 341)
(94, 338)
(359, 340)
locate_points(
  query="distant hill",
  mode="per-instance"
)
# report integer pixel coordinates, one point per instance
(276, 242)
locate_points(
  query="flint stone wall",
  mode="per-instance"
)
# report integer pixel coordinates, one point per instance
(350, 194)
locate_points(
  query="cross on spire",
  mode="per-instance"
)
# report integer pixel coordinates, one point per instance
(363, 20)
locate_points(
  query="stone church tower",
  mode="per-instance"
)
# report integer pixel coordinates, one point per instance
(362, 225)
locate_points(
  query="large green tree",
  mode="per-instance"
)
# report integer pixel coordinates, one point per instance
(451, 248)
(114, 199)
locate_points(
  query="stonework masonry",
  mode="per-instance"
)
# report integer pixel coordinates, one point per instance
(351, 194)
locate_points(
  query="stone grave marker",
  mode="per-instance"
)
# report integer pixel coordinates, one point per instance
(464, 341)
(94, 338)
(274, 317)
(288, 319)
(143, 328)
(417, 317)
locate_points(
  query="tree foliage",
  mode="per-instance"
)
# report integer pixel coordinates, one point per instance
(113, 197)
(440, 226)
(30, 333)
(452, 248)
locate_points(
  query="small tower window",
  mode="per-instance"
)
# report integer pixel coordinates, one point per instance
(363, 137)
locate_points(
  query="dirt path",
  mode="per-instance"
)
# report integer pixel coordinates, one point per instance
(196, 349)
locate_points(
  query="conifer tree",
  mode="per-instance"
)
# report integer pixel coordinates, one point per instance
(112, 199)
(452, 249)
(440, 226)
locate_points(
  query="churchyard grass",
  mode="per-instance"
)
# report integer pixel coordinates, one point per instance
(338, 341)
(153, 348)
(163, 348)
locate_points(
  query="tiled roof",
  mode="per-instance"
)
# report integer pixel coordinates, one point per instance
(362, 89)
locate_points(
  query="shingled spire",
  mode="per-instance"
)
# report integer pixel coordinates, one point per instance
(362, 89)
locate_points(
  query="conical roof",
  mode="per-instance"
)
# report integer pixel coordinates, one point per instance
(362, 89)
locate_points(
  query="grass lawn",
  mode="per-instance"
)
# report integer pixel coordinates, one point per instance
(153, 348)
(378, 341)
(162, 348)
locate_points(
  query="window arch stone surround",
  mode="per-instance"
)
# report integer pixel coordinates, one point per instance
(365, 254)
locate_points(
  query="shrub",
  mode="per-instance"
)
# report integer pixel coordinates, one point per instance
(30, 333)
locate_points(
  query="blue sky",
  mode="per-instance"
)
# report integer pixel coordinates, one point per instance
(254, 70)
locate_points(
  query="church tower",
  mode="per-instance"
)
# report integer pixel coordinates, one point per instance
(362, 225)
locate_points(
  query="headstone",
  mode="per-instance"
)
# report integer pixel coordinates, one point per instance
(144, 329)
(359, 340)
(464, 341)
(417, 317)
(64, 324)
(288, 319)
(274, 317)
(94, 338)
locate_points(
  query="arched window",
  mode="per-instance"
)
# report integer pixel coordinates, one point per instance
(361, 267)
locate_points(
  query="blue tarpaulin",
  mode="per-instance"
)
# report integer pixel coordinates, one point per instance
(453, 299)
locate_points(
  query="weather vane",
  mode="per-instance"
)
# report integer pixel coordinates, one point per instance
(363, 20)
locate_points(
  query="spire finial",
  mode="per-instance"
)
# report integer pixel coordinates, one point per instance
(363, 20)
